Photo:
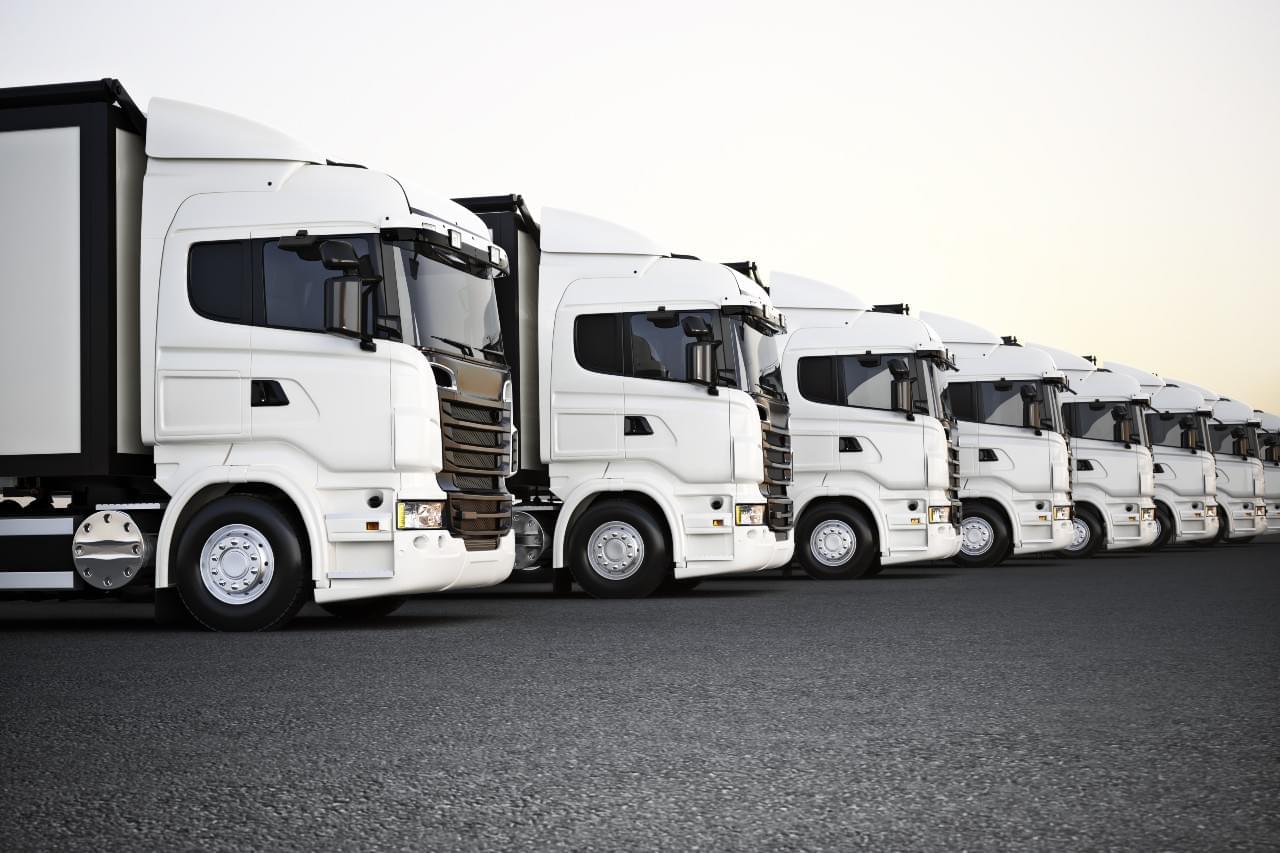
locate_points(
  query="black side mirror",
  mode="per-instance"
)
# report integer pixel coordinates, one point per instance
(900, 393)
(1185, 423)
(340, 256)
(1119, 413)
(700, 362)
(695, 327)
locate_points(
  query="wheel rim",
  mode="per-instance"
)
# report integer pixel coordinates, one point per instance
(977, 536)
(833, 543)
(1159, 527)
(1080, 535)
(615, 551)
(236, 564)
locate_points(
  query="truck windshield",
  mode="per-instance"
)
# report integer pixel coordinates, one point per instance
(761, 362)
(1100, 420)
(449, 307)
(1176, 429)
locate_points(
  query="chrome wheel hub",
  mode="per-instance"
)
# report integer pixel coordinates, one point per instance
(833, 543)
(1080, 535)
(976, 536)
(615, 550)
(236, 564)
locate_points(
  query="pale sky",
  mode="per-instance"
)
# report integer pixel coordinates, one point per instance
(1099, 176)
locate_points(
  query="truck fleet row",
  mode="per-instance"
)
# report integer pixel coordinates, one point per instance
(238, 376)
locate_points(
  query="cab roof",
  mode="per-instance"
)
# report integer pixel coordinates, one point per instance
(1234, 412)
(177, 130)
(1148, 381)
(577, 233)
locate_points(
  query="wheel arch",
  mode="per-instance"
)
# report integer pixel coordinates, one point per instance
(650, 499)
(199, 492)
(856, 502)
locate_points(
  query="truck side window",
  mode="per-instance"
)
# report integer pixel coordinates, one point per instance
(294, 286)
(1001, 407)
(960, 395)
(597, 343)
(816, 377)
(218, 280)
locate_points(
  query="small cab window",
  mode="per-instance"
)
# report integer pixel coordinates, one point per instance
(816, 377)
(293, 285)
(218, 280)
(597, 343)
(962, 397)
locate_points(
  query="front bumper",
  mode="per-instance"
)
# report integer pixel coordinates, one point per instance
(1193, 523)
(1131, 524)
(1037, 531)
(755, 548)
(1242, 518)
(427, 561)
(938, 542)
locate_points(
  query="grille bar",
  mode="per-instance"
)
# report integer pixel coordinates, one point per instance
(476, 440)
(778, 473)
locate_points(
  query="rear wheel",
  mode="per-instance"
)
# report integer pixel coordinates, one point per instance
(239, 565)
(984, 537)
(1165, 528)
(1087, 535)
(835, 542)
(364, 609)
(619, 551)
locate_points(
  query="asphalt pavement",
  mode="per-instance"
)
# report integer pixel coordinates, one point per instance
(1131, 702)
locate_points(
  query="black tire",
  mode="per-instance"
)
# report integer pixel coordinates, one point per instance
(1224, 526)
(284, 592)
(640, 571)
(996, 543)
(364, 609)
(671, 586)
(1166, 527)
(836, 523)
(1094, 534)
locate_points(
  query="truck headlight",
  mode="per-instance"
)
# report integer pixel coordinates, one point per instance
(750, 514)
(1148, 513)
(1062, 513)
(1210, 509)
(1260, 510)
(939, 515)
(420, 515)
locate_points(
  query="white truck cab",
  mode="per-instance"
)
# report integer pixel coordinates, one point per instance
(1015, 482)
(875, 471)
(654, 445)
(1114, 478)
(1185, 480)
(263, 377)
(1233, 437)
(1269, 452)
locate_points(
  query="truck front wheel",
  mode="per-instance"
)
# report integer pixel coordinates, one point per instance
(984, 537)
(836, 543)
(239, 565)
(1165, 527)
(1087, 534)
(619, 551)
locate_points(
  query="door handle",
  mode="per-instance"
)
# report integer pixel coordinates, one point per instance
(636, 425)
(267, 392)
(850, 444)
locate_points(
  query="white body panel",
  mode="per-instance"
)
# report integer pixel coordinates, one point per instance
(40, 349)
(1271, 472)
(899, 463)
(1029, 474)
(705, 449)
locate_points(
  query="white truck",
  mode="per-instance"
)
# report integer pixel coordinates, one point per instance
(237, 373)
(1114, 478)
(875, 471)
(1242, 506)
(1185, 483)
(1015, 482)
(1269, 452)
(653, 438)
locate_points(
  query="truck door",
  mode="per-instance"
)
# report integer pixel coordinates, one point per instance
(317, 393)
(670, 423)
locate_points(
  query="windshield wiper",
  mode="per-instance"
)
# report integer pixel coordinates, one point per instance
(466, 350)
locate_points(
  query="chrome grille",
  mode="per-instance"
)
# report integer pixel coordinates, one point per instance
(775, 422)
(476, 434)
(953, 471)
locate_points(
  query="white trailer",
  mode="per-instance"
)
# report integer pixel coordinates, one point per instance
(238, 373)
(1015, 482)
(1269, 452)
(1114, 478)
(654, 446)
(875, 471)
(1185, 483)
